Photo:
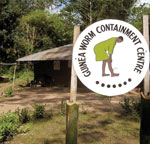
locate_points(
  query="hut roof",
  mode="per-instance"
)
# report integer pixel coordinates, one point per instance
(59, 53)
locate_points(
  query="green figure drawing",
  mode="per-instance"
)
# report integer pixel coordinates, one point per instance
(101, 49)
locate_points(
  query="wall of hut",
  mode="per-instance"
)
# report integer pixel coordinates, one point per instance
(57, 71)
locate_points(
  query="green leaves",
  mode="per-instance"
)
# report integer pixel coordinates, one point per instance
(40, 30)
(9, 124)
(27, 26)
(86, 12)
(39, 111)
(136, 15)
(23, 23)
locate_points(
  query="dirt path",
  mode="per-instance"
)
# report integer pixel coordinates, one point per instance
(52, 97)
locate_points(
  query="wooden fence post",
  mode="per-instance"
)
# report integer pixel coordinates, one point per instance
(145, 110)
(14, 75)
(72, 108)
(72, 113)
(73, 88)
(146, 35)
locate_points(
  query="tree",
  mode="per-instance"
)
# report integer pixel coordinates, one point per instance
(11, 11)
(40, 30)
(136, 15)
(89, 11)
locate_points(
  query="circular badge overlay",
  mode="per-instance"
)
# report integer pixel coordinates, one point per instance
(111, 57)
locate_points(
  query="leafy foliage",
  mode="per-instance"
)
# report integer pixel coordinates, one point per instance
(24, 74)
(131, 106)
(9, 92)
(39, 31)
(26, 27)
(9, 124)
(24, 115)
(136, 15)
(11, 11)
(39, 111)
(86, 12)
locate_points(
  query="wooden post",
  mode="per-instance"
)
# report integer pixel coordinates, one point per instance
(73, 89)
(72, 108)
(146, 35)
(145, 108)
(72, 113)
(14, 75)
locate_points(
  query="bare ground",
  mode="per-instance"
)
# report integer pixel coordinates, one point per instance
(52, 97)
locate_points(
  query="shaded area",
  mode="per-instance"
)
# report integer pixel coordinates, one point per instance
(88, 137)
(52, 97)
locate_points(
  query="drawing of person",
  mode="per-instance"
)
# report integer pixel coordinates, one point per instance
(101, 49)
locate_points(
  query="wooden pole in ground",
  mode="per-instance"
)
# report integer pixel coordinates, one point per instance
(73, 88)
(72, 114)
(72, 108)
(145, 110)
(14, 75)
(146, 35)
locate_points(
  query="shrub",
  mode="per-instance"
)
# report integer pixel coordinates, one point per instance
(24, 74)
(24, 115)
(9, 92)
(131, 106)
(9, 124)
(39, 111)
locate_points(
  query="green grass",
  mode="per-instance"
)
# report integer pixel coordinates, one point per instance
(21, 78)
(109, 128)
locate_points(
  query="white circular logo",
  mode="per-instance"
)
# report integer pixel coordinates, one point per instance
(111, 57)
